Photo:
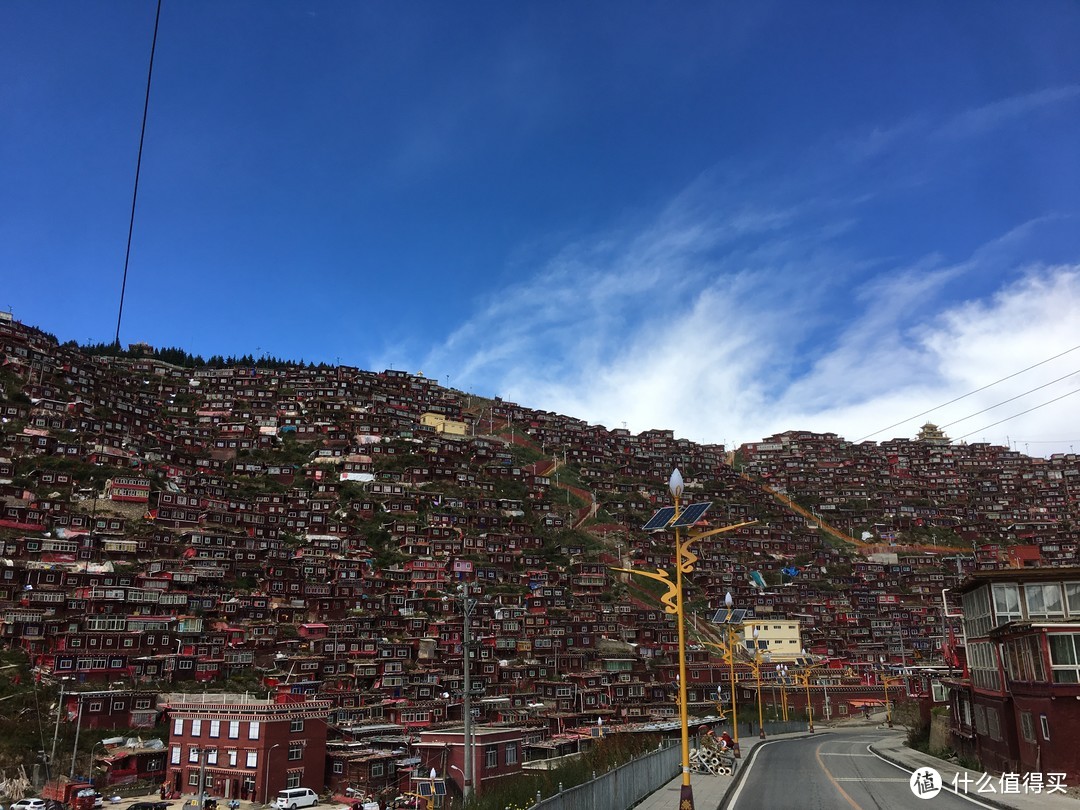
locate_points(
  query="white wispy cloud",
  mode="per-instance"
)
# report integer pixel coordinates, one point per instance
(979, 120)
(744, 309)
(969, 123)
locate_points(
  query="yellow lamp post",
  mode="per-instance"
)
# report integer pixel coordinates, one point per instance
(731, 640)
(673, 600)
(781, 675)
(757, 676)
(886, 681)
(683, 561)
(804, 678)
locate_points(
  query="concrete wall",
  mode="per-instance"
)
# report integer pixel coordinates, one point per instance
(939, 732)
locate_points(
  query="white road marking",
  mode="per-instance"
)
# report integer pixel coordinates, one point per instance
(945, 786)
(842, 754)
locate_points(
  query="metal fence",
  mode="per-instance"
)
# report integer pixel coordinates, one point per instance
(628, 784)
(773, 727)
(622, 787)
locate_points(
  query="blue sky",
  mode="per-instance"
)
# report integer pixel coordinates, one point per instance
(726, 219)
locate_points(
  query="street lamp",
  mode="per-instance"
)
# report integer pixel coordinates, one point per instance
(729, 603)
(728, 656)
(781, 675)
(668, 518)
(266, 774)
(757, 675)
(686, 797)
(456, 768)
(468, 607)
(809, 705)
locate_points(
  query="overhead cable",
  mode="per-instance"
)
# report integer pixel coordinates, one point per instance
(1010, 399)
(138, 167)
(968, 394)
(1029, 410)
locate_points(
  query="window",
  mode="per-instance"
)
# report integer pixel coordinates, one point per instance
(1065, 657)
(338, 767)
(1024, 659)
(296, 725)
(1072, 597)
(292, 780)
(193, 754)
(175, 759)
(510, 754)
(993, 723)
(234, 729)
(252, 758)
(196, 728)
(491, 756)
(980, 720)
(376, 769)
(982, 662)
(296, 751)
(1045, 727)
(1006, 603)
(232, 757)
(193, 779)
(1044, 601)
(211, 756)
(178, 727)
(977, 612)
(94, 706)
(215, 728)
(1027, 727)
(253, 730)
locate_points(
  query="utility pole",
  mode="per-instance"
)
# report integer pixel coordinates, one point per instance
(202, 778)
(467, 606)
(56, 731)
(75, 750)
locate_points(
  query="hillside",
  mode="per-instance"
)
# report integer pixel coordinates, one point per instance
(272, 524)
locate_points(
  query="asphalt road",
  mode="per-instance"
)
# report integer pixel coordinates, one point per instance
(833, 771)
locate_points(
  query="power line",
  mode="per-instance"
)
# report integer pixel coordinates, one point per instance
(138, 167)
(1029, 410)
(968, 394)
(1010, 399)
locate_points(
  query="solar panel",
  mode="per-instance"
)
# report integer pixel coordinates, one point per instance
(732, 616)
(691, 514)
(423, 788)
(660, 520)
(440, 788)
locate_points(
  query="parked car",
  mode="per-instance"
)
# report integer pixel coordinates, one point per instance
(28, 804)
(292, 798)
(149, 806)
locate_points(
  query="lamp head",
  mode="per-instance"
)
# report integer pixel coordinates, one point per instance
(675, 483)
(728, 600)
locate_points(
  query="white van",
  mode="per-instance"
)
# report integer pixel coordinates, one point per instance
(292, 798)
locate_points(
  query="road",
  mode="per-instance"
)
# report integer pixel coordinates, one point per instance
(834, 771)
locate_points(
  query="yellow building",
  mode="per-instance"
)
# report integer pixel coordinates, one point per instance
(441, 424)
(780, 638)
